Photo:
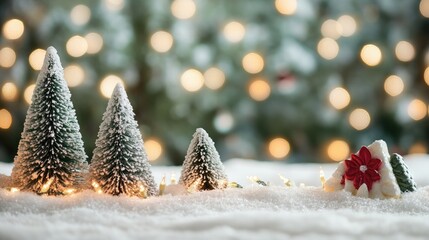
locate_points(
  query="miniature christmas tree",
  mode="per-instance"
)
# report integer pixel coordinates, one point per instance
(50, 155)
(202, 168)
(403, 177)
(119, 164)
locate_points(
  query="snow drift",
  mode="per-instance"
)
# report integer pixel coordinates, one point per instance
(255, 212)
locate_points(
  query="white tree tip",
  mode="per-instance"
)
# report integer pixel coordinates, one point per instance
(119, 86)
(51, 55)
(51, 50)
(119, 90)
(201, 131)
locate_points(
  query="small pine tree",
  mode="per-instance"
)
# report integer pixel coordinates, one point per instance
(50, 157)
(403, 177)
(119, 164)
(202, 168)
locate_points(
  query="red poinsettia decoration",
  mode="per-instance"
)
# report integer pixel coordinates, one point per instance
(362, 168)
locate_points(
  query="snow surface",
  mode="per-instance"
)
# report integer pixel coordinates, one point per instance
(255, 212)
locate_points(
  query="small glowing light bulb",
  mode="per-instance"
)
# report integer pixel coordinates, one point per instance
(47, 185)
(162, 186)
(322, 177)
(95, 184)
(69, 191)
(173, 179)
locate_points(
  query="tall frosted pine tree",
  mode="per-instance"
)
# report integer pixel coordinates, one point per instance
(119, 164)
(50, 157)
(202, 168)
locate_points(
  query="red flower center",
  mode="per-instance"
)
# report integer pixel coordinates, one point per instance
(362, 168)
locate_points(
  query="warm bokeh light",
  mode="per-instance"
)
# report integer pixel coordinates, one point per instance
(28, 93)
(339, 98)
(348, 25)
(259, 90)
(286, 7)
(7, 57)
(331, 29)
(328, 48)
(371, 55)
(9, 91)
(424, 8)
(279, 148)
(80, 14)
(108, 84)
(76, 46)
(5, 119)
(359, 119)
(214, 78)
(393, 85)
(183, 9)
(94, 41)
(13, 29)
(153, 149)
(36, 58)
(234, 31)
(417, 109)
(253, 63)
(405, 51)
(418, 148)
(161, 41)
(192, 80)
(338, 150)
(426, 75)
(74, 75)
(114, 5)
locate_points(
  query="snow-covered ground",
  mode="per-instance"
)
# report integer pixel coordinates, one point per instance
(255, 212)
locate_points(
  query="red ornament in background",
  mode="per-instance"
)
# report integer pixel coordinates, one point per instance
(363, 168)
(286, 82)
(286, 76)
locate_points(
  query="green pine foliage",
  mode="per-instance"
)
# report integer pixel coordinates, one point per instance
(202, 168)
(403, 177)
(119, 164)
(50, 157)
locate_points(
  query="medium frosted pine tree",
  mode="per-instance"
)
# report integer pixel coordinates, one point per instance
(202, 168)
(403, 176)
(51, 157)
(119, 164)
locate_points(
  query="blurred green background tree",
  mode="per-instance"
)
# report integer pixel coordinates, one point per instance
(297, 81)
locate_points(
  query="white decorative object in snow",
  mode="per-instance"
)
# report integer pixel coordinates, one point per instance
(388, 186)
(50, 156)
(202, 168)
(362, 191)
(384, 185)
(119, 164)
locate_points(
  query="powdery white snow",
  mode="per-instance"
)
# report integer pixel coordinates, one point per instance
(255, 212)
